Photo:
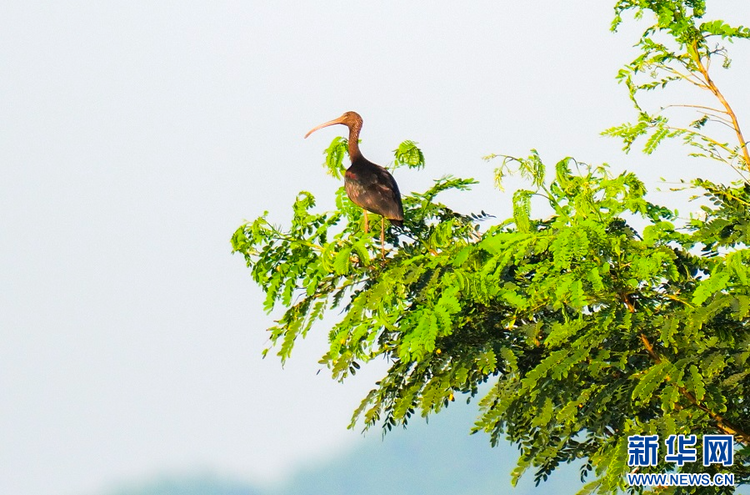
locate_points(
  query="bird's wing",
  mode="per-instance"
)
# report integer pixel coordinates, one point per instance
(383, 196)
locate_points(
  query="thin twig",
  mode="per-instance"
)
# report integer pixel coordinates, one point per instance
(701, 107)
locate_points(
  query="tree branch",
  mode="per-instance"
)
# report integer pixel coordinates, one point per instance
(695, 54)
(721, 423)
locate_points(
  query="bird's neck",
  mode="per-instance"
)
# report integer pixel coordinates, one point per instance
(354, 153)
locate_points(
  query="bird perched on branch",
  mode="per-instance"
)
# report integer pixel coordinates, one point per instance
(368, 185)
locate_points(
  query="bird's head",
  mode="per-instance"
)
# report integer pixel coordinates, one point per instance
(350, 119)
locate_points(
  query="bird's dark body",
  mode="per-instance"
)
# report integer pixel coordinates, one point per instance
(373, 188)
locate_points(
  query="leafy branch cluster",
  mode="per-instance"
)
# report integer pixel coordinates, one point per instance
(606, 319)
(680, 47)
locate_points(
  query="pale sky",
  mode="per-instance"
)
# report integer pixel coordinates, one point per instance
(135, 137)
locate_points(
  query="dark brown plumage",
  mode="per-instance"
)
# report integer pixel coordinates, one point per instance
(368, 185)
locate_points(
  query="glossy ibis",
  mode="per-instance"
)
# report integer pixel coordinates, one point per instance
(368, 185)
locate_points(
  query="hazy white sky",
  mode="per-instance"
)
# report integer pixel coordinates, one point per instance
(136, 136)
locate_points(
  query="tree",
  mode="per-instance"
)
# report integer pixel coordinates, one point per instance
(610, 318)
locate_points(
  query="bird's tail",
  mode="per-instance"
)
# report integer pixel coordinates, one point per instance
(397, 223)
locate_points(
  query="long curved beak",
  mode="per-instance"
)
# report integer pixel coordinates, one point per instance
(330, 122)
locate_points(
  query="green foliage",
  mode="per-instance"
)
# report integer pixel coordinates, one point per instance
(335, 153)
(588, 330)
(609, 317)
(409, 155)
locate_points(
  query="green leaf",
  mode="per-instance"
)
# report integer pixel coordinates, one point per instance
(335, 153)
(409, 155)
(648, 383)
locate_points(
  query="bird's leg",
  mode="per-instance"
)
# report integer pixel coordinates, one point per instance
(382, 237)
(367, 223)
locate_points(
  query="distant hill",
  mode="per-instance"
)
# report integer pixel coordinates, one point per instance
(435, 458)
(439, 458)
